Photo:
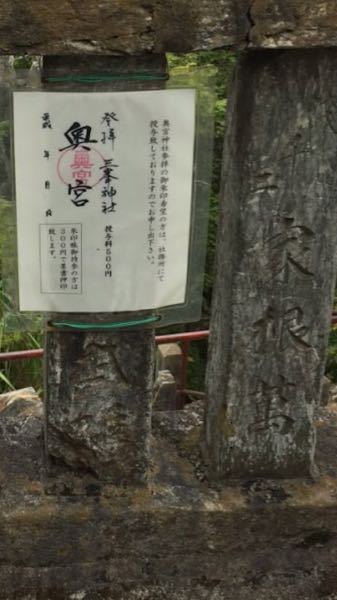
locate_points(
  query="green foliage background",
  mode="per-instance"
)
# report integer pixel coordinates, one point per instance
(13, 375)
(222, 62)
(29, 373)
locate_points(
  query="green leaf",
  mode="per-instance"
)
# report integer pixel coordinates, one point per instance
(6, 381)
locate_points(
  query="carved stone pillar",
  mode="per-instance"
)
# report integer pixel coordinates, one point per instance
(99, 384)
(276, 265)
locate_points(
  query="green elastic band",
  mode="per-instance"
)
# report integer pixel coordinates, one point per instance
(101, 78)
(120, 325)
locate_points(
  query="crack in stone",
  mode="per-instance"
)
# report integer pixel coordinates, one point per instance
(250, 21)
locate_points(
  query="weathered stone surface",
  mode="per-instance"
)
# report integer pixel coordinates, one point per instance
(128, 26)
(326, 395)
(182, 428)
(21, 439)
(99, 395)
(169, 357)
(276, 265)
(176, 540)
(46, 27)
(182, 26)
(165, 391)
(293, 23)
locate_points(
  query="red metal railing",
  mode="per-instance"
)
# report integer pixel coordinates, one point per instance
(21, 355)
(184, 339)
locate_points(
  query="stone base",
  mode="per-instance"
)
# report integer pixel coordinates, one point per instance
(177, 540)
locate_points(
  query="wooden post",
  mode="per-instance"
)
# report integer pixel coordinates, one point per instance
(99, 384)
(276, 265)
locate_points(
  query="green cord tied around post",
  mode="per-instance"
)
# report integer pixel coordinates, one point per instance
(105, 326)
(101, 78)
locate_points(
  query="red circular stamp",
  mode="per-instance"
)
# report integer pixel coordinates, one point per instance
(81, 165)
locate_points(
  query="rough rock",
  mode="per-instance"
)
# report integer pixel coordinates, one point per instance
(293, 24)
(326, 395)
(182, 428)
(21, 437)
(98, 397)
(176, 540)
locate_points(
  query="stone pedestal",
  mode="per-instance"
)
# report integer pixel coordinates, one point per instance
(169, 358)
(165, 392)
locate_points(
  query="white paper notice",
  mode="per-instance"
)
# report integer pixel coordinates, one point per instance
(103, 191)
